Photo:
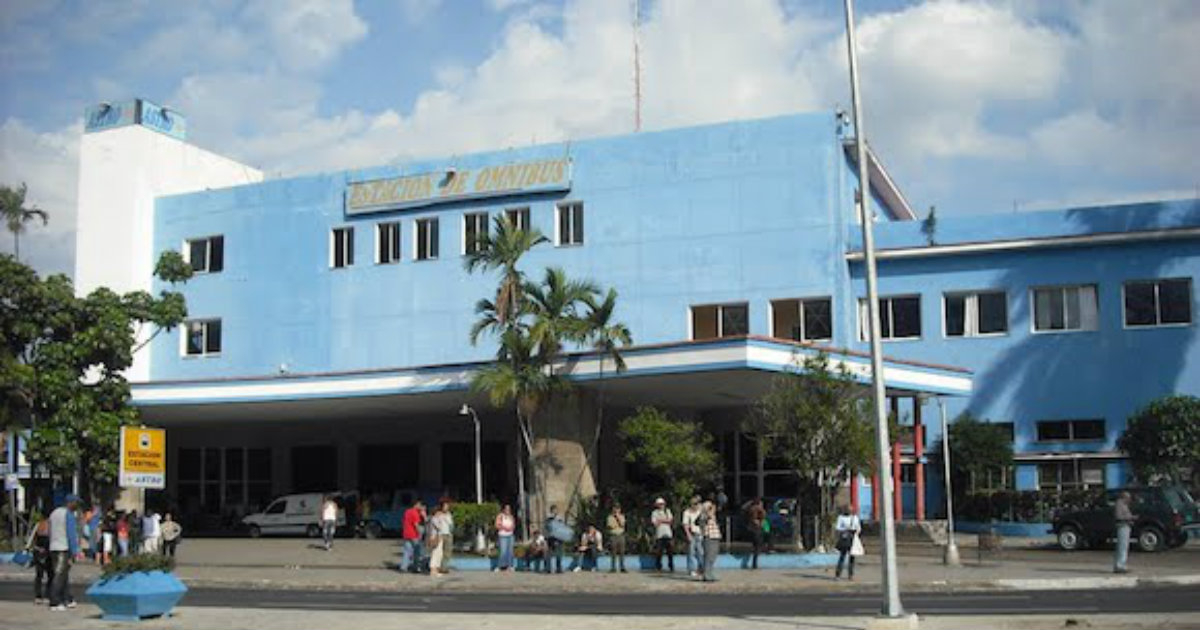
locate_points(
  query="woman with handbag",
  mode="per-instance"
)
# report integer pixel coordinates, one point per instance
(847, 528)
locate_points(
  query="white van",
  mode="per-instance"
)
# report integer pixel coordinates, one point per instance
(292, 514)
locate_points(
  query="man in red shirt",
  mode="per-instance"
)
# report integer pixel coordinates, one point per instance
(413, 532)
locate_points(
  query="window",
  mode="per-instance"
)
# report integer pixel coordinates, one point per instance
(203, 337)
(475, 225)
(277, 507)
(387, 243)
(1070, 475)
(342, 251)
(976, 314)
(899, 318)
(721, 320)
(427, 239)
(570, 224)
(206, 255)
(1065, 308)
(802, 320)
(1158, 302)
(518, 217)
(1070, 431)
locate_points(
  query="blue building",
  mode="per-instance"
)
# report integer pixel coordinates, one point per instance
(327, 346)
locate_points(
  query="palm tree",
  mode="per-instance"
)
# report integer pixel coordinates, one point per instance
(502, 249)
(606, 338)
(555, 304)
(16, 215)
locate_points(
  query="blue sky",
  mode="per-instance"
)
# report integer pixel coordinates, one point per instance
(975, 106)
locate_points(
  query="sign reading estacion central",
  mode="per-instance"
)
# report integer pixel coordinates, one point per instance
(414, 191)
(143, 458)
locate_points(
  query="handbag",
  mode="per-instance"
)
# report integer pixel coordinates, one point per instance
(845, 541)
(856, 548)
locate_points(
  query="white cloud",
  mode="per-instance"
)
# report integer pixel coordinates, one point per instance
(417, 11)
(48, 163)
(306, 34)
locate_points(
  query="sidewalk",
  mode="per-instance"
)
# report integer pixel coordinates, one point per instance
(367, 565)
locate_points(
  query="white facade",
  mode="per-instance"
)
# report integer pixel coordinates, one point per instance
(121, 172)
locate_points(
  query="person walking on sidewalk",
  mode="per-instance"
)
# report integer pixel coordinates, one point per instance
(39, 547)
(616, 536)
(695, 537)
(711, 528)
(413, 533)
(171, 532)
(447, 533)
(757, 519)
(64, 545)
(439, 526)
(506, 526)
(329, 510)
(1124, 517)
(663, 522)
(847, 530)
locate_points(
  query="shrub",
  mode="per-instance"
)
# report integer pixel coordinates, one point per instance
(137, 563)
(470, 516)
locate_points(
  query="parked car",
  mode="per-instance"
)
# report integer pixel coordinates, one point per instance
(384, 513)
(291, 514)
(1165, 516)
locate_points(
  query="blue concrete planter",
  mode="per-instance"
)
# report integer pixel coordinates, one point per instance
(1015, 530)
(6, 558)
(138, 595)
(646, 563)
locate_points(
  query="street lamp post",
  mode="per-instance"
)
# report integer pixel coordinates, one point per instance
(887, 533)
(464, 411)
(951, 557)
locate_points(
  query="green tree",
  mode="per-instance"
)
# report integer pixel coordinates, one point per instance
(1163, 440)
(63, 359)
(678, 453)
(16, 215)
(817, 419)
(501, 249)
(978, 448)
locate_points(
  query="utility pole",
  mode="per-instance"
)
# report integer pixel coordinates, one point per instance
(951, 557)
(891, 580)
(637, 67)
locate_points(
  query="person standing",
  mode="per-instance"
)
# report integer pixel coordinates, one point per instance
(616, 536)
(663, 522)
(591, 545)
(122, 535)
(711, 526)
(557, 533)
(847, 530)
(757, 519)
(506, 526)
(1124, 517)
(135, 532)
(151, 532)
(438, 523)
(412, 531)
(447, 534)
(171, 532)
(694, 536)
(39, 547)
(95, 534)
(64, 544)
(329, 513)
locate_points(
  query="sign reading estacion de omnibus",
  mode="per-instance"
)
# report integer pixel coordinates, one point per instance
(143, 458)
(425, 189)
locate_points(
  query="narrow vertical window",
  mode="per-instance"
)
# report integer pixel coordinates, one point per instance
(518, 217)
(205, 255)
(570, 224)
(475, 227)
(387, 241)
(427, 239)
(342, 254)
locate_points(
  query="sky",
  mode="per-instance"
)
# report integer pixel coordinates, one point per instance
(977, 106)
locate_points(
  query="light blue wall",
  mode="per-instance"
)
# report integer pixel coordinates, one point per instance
(747, 211)
(1024, 377)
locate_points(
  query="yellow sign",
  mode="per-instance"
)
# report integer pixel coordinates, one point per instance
(143, 458)
(414, 191)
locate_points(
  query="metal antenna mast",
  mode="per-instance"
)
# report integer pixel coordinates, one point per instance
(637, 67)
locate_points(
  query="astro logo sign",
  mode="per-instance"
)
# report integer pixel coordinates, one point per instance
(106, 115)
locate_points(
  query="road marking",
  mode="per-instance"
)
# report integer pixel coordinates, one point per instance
(325, 606)
(919, 597)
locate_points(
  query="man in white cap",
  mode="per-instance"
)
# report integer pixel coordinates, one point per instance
(664, 536)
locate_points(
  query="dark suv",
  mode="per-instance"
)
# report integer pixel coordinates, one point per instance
(1165, 515)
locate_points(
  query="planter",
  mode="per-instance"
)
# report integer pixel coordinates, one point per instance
(134, 596)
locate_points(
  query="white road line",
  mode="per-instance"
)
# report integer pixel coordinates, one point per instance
(325, 606)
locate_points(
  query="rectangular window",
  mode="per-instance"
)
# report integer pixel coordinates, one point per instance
(342, 250)
(899, 318)
(570, 224)
(206, 255)
(475, 226)
(1158, 302)
(427, 239)
(1065, 308)
(1070, 475)
(1070, 431)
(387, 240)
(202, 337)
(518, 217)
(720, 320)
(976, 314)
(802, 320)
